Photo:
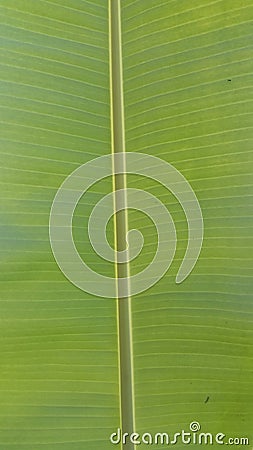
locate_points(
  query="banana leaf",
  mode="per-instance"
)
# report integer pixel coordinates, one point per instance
(186, 73)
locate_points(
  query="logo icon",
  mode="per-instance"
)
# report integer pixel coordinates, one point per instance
(78, 183)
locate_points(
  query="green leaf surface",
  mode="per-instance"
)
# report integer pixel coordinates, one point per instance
(187, 78)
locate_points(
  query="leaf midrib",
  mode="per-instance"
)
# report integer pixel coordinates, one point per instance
(126, 381)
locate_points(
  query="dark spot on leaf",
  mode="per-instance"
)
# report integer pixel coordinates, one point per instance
(207, 399)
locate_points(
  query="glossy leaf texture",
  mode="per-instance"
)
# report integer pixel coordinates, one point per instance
(187, 77)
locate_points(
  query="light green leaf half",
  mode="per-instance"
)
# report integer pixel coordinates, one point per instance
(193, 342)
(187, 78)
(59, 361)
